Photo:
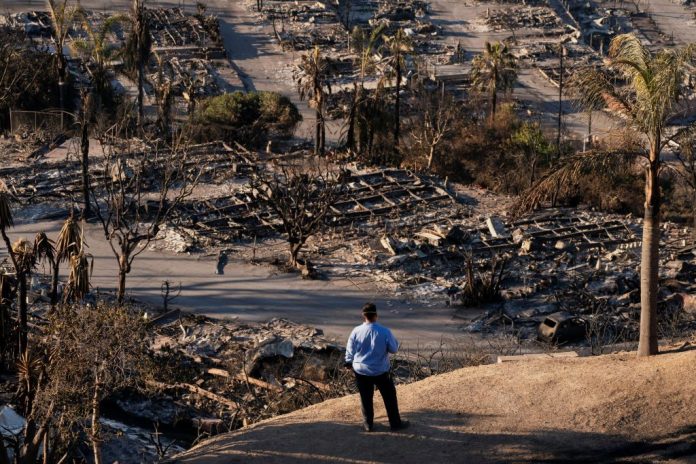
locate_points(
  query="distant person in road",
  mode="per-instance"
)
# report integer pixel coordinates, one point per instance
(221, 263)
(367, 353)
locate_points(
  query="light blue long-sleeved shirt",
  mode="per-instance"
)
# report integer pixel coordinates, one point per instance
(368, 348)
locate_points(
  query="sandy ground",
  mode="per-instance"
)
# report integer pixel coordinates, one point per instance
(604, 409)
(257, 293)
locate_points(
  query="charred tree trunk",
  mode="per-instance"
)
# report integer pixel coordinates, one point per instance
(322, 145)
(397, 106)
(494, 104)
(84, 146)
(141, 94)
(54, 283)
(23, 309)
(96, 429)
(350, 137)
(650, 255)
(122, 272)
(317, 133)
(431, 155)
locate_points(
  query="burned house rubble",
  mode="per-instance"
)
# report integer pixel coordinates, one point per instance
(427, 242)
(216, 375)
(188, 56)
(301, 25)
(59, 179)
(581, 262)
(370, 198)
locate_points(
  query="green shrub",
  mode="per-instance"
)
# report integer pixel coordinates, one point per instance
(236, 109)
(246, 117)
(278, 111)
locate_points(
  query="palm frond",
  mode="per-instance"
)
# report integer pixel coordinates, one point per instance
(563, 179)
(24, 254)
(81, 266)
(43, 247)
(494, 70)
(69, 240)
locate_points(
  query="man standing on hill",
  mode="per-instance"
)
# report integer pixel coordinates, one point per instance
(367, 353)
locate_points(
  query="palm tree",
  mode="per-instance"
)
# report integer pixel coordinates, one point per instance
(647, 103)
(81, 264)
(97, 50)
(25, 258)
(313, 84)
(398, 47)
(138, 49)
(85, 119)
(493, 71)
(365, 46)
(62, 19)
(69, 244)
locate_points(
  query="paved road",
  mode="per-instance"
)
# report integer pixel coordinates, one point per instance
(255, 293)
(458, 19)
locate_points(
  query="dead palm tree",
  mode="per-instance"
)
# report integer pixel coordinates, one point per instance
(138, 49)
(647, 103)
(69, 244)
(25, 260)
(62, 18)
(313, 85)
(493, 71)
(81, 265)
(398, 46)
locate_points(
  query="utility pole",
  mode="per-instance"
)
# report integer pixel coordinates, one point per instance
(561, 53)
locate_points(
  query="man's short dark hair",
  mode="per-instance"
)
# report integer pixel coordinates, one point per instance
(369, 310)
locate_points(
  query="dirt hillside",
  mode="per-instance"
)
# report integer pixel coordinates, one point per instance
(614, 408)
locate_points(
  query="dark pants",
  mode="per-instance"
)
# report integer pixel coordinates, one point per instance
(385, 385)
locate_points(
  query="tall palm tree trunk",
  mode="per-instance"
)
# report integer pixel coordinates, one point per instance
(54, 282)
(317, 133)
(650, 257)
(141, 83)
(23, 325)
(397, 106)
(494, 94)
(350, 137)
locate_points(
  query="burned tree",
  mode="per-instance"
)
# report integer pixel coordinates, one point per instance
(364, 46)
(434, 120)
(96, 50)
(301, 196)
(24, 256)
(138, 196)
(25, 81)
(68, 244)
(102, 346)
